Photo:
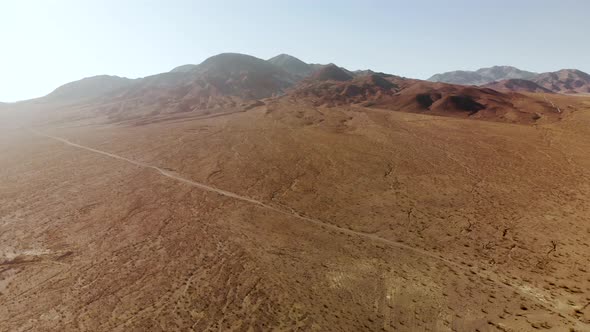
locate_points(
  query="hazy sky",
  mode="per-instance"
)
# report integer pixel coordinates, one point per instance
(49, 43)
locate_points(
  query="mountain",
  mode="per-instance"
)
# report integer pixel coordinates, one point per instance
(348, 90)
(565, 81)
(239, 74)
(224, 82)
(243, 75)
(497, 73)
(459, 77)
(473, 102)
(511, 78)
(291, 65)
(228, 74)
(332, 72)
(482, 76)
(286, 62)
(88, 88)
(434, 98)
(233, 82)
(183, 68)
(517, 85)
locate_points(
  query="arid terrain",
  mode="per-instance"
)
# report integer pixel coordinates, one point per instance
(365, 203)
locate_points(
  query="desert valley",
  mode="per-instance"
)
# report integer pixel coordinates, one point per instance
(243, 194)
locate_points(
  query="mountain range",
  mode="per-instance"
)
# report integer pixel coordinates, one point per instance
(510, 78)
(233, 81)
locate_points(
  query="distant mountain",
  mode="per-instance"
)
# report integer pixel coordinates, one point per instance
(482, 76)
(462, 77)
(227, 81)
(286, 62)
(565, 81)
(517, 85)
(90, 87)
(498, 73)
(226, 74)
(291, 65)
(243, 75)
(511, 78)
(233, 71)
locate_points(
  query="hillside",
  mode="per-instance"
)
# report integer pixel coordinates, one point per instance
(333, 87)
(331, 72)
(517, 85)
(243, 75)
(222, 82)
(88, 88)
(405, 95)
(565, 81)
(292, 65)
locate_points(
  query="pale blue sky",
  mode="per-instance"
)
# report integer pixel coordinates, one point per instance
(49, 43)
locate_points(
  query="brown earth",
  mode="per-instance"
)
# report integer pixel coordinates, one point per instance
(286, 216)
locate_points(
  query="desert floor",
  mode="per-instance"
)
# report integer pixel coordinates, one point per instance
(288, 217)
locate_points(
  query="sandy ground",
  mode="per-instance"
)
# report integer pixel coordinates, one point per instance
(341, 219)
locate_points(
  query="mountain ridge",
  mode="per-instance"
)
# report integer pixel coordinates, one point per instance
(236, 81)
(481, 76)
(89, 87)
(291, 64)
(560, 81)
